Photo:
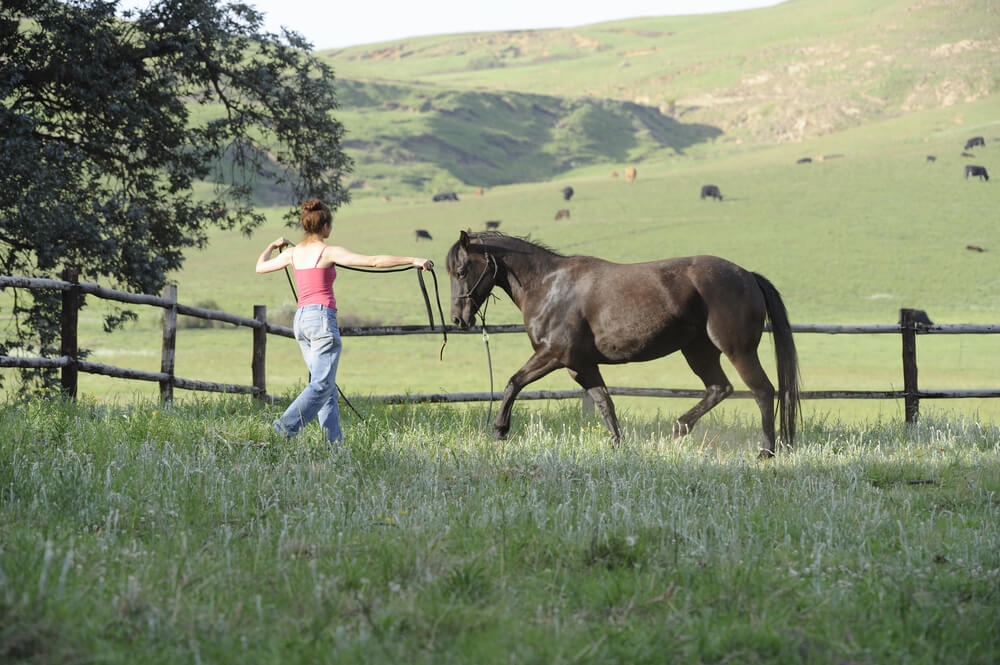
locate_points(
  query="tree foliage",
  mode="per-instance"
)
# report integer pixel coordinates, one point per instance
(111, 120)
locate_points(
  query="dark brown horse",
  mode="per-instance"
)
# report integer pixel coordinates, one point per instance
(581, 311)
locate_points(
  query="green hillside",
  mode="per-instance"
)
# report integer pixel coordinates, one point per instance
(489, 109)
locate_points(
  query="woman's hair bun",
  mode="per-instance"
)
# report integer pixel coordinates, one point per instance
(313, 205)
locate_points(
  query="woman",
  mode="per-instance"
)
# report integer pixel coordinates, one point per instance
(315, 326)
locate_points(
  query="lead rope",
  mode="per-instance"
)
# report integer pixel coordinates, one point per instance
(489, 358)
(482, 318)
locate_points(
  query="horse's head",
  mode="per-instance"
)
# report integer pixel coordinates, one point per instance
(473, 271)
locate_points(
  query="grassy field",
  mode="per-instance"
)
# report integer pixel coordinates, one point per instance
(188, 534)
(139, 532)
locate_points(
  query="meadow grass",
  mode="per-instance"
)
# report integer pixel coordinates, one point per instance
(138, 533)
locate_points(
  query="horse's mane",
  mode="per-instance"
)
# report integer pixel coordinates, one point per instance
(501, 239)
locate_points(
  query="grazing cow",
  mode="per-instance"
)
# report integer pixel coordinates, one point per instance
(492, 224)
(977, 172)
(479, 191)
(931, 158)
(423, 234)
(974, 248)
(974, 141)
(614, 174)
(967, 154)
(805, 160)
(562, 213)
(446, 196)
(630, 174)
(567, 193)
(711, 191)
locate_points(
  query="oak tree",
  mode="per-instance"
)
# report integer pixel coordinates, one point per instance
(112, 120)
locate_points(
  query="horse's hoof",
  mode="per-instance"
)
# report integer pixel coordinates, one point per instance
(765, 454)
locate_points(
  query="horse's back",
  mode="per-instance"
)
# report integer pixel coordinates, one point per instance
(657, 307)
(702, 281)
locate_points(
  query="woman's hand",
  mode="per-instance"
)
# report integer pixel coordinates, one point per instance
(266, 264)
(426, 264)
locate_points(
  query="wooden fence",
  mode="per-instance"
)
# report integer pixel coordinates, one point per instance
(911, 324)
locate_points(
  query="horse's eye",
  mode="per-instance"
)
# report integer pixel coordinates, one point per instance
(460, 273)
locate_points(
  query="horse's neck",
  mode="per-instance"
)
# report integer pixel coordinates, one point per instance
(522, 271)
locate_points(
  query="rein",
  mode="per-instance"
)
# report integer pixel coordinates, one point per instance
(423, 290)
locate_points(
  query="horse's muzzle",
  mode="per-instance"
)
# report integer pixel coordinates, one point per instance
(461, 323)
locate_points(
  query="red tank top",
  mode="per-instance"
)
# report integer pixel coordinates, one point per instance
(316, 285)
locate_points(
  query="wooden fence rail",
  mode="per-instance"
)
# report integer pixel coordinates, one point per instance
(910, 325)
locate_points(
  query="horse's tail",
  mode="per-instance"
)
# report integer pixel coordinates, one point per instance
(787, 359)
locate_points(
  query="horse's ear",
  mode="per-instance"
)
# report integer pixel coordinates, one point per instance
(463, 239)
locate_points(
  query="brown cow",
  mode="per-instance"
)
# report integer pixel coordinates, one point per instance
(614, 174)
(562, 213)
(630, 174)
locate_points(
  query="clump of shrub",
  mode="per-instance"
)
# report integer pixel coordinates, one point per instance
(285, 316)
(282, 316)
(191, 322)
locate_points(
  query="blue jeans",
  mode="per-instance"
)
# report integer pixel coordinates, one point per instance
(319, 337)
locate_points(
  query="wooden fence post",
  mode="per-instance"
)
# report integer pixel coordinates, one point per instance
(259, 352)
(168, 353)
(911, 396)
(68, 346)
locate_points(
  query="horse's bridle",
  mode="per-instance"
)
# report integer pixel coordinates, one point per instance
(471, 293)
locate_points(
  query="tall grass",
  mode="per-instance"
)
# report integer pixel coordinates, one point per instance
(190, 534)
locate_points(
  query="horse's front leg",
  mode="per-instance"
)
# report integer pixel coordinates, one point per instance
(538, 365)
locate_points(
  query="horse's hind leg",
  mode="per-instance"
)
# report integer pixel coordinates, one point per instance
(749, 367)
(591, 380)
(703, 358)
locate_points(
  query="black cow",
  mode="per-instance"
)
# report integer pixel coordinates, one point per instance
(804, 160)
(492, 224)
(974, 141)
(711, 191)
(421, 233)
(977, 172)
(931, 158)
(446, 196)
(567, 193)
